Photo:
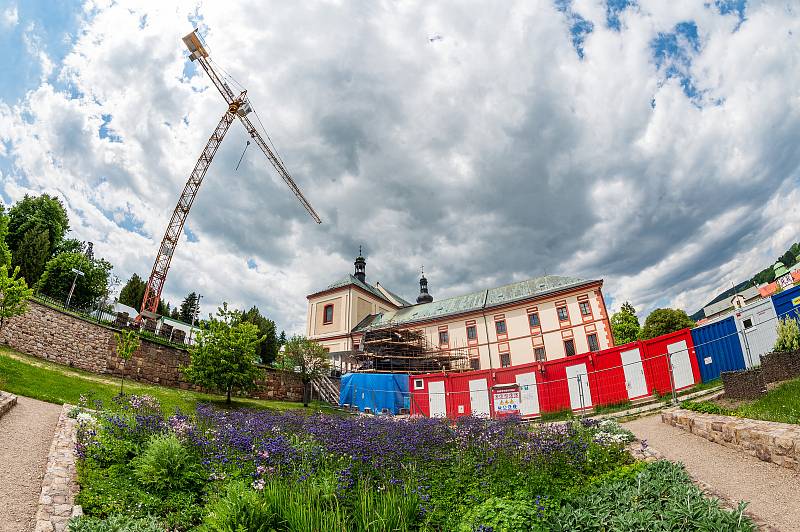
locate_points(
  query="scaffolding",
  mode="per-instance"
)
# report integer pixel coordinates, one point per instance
(398, 350)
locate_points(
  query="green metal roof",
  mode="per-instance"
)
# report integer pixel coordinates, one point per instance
(402, 301)
(475, 301)
(353, 280)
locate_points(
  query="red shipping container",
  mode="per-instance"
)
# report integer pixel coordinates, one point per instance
(685, 371)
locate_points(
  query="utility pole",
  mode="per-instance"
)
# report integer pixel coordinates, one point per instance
(75, 280)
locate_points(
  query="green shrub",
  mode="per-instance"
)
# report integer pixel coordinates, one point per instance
(241, 508)
(659, 497)
(788, 335)
(385, 510)
(705, 407)
(115, 523)
(166, 465)
(503, 514)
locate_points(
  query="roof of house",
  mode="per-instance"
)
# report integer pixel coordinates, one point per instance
(493, 297)
(351, 279)
(399, 299)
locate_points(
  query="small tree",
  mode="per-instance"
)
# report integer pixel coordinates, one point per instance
(788, 335)
(665, 321)
(625, 324)
(307, 358)
(14, 294)
(224, 354)
(127, 343)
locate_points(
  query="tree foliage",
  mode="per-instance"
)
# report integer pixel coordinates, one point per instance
(189, 307)
(268, 349)
(788, 335)
(37, 212)
(127, 343)
(14, 294)
(665, 321)
(625, 325)
(89, 288)
(32, 254)
(132, 293)
(5, 253)
(224, 354)
(307, 358)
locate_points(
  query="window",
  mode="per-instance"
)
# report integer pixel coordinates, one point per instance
(327, 315)
(475, 363)
(533, 319)
(538, 354)
(472, 333)
(505, 359)
(593, 345)
(747, 323)
(569, 347)
(500, 326)
(562, 314)
(586, 310)
(443, 339)
(355, 346)
(419, 384)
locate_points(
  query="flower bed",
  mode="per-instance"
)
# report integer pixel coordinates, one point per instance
(260, 470)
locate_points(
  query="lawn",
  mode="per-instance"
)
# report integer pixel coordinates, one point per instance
(32, 377)
(228, 470)
(781, 404)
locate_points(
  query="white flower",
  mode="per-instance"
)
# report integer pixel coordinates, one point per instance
(85, 418)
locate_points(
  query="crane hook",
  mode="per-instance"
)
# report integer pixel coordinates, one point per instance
(242, 157)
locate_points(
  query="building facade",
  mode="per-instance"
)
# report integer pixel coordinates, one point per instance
(540, 319)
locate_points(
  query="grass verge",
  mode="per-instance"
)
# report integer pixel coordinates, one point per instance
(32, 377)
(781, 404)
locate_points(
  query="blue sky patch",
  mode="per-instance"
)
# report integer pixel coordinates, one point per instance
(251, 264)
(613, 10)
(732, 6)
(190, 236)
(673, 53)
(106, 132)
(579, 27)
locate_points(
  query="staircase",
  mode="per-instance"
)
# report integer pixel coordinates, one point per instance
(327, 389)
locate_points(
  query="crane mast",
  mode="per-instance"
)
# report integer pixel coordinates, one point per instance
(238, 107)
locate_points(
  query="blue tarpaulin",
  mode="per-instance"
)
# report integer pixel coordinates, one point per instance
(375, 391)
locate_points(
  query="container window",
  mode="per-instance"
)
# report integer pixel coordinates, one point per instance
(748, 323)
(569, 347)
(419, 384)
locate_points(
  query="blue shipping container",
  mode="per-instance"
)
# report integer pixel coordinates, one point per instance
(787, 303)
(375, 391)
(718, 348)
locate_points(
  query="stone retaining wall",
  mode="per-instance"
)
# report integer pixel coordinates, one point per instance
(53, 335)
(778, 443)
(748, 384)
(7, 402)
(59, 485)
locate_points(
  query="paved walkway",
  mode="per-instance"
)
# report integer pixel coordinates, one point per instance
(773, 492)
(25, 436)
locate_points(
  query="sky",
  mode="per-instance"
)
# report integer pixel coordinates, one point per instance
(650, 144)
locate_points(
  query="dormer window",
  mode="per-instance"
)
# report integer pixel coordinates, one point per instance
(327, 315)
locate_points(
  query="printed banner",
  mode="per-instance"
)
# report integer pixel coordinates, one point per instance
(506, 402)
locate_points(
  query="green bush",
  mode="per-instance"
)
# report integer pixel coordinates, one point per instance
(660, 497)
(241, 508)
(788, 335)
(115, 523)
(705, 407)
(503, 514)
(166, 465)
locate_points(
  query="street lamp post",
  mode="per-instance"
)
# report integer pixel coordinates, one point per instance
(75, 280)
(195, 312)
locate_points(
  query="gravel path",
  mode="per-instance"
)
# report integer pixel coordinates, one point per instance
(773, 492)
(25, 436)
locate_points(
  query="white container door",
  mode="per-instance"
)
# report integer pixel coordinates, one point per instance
(436, 401)
(529, 394)
(759, 328)
(479, 397)
(634, 373)
(681, 365)
(578, 381)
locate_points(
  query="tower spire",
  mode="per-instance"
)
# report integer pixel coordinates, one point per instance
(424, 296)
(361, 267)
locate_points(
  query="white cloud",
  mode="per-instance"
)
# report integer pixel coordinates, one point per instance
(9, 17)
(491, 155)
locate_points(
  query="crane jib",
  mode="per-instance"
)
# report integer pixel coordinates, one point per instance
(238, 107)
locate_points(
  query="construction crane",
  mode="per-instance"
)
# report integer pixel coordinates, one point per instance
(238, 107)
